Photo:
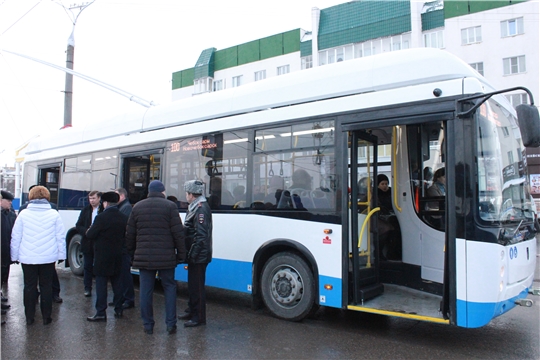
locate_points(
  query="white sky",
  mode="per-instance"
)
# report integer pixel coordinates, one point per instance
(134, 45)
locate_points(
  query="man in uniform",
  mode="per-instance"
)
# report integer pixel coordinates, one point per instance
(198, 230)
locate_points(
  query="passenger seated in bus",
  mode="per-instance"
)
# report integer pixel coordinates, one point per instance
(276, 184)
(218, 195)
(301, 187)
(428, 177)
(438, 189)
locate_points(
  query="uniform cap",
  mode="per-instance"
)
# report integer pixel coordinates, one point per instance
(194, 187)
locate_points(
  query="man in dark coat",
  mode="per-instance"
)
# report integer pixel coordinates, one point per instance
(155, 238)
(198, 230)
(126, 278)
(108, 235)
(7, 221)
(86, 217)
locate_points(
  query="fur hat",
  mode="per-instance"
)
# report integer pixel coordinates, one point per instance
(110, 197)
(7, 195)
(156, 186)
(194, 187)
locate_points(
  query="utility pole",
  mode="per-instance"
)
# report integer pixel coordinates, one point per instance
(68, 93)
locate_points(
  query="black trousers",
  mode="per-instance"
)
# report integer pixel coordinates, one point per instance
(101, 294)
(55, 284)
(34, 274)
(197, 292)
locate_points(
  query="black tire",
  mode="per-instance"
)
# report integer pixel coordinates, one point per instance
(75, 256)
(287, 287)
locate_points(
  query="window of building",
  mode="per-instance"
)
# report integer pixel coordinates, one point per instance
(202, 85)
(514, 65)
(260, 75)
(218, 85)
(479, 66)
(434, 39)
(517, 99)
(331, 56)
(285, 69)
(505, 131)
(322, 58)
(512, 27)
(307, 62)
(471, 35)
(348, 52)
(237, 81)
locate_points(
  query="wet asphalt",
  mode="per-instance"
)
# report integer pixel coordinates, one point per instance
(235, 331)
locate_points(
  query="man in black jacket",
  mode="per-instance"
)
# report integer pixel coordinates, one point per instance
(7, 222)
(108, 235)
(198, 230)
(86, 217)
(155, 239)
(126, 278)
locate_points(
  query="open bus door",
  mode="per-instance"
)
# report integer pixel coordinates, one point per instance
(49, 177)
(364, 240)
(138, 171)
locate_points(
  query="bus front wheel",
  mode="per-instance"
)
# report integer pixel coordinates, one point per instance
(75, 255)
(287, 287)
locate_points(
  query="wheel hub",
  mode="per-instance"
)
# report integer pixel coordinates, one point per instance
(287, 287)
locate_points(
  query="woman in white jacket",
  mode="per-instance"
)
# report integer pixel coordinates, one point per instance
(37, 242)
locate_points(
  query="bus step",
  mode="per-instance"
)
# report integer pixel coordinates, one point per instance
(371, 291)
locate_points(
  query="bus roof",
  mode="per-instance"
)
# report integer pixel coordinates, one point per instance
(364, 75)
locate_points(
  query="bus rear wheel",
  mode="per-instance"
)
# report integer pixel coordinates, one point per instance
(75, 255)
(287, 287)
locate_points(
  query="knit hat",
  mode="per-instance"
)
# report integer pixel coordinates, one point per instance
(156, 186)
(110, 196)
(194, 187)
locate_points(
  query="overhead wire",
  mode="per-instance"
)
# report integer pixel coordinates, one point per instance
(20, 18)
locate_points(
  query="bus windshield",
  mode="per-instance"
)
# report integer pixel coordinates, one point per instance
(503, 187)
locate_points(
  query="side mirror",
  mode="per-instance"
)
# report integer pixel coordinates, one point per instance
(529, 125)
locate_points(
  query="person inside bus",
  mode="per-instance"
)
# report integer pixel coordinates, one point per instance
(428, 177)
(275, 185)
(384, 195)
(437, 190)
(388, 225)
(218, 195)
(439, 186)
(301, 180)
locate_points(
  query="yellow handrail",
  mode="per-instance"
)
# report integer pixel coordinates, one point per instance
(364, 225)
(394, 166)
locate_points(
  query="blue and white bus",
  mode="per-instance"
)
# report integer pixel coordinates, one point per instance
(290, 167)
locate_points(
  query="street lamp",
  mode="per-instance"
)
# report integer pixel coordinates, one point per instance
(68, 93)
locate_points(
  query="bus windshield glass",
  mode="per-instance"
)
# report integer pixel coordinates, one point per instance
(503, 187)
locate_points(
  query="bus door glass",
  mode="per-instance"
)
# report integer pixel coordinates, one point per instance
(139, 171)
(363, 158)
